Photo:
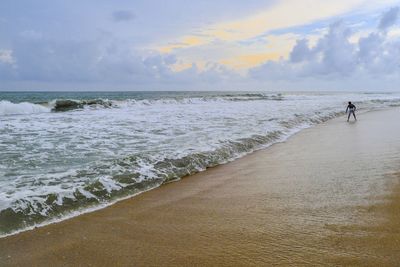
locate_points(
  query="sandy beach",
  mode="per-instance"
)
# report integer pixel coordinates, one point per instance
(329, 195)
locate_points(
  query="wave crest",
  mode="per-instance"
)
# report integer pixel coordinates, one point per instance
(9, 108)
(68, 104)
(63, 105)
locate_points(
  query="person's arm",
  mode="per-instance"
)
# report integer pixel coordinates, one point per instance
(347, 109)
(355, 108)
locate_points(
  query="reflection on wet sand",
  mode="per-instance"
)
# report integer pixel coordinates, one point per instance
(375, 239)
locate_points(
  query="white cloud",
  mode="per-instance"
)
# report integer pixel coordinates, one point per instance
(6, 56)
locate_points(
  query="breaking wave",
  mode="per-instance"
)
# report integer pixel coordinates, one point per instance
(132, 174)
(9, 108)
(67, 104)
(63, 105)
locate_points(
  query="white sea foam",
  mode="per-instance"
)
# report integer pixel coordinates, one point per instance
(9, 108)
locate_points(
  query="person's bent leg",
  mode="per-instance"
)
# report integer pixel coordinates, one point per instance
(354, 114)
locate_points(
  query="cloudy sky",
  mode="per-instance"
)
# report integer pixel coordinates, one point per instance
(200, 45)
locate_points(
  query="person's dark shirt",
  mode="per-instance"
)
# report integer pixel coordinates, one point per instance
(351, 107)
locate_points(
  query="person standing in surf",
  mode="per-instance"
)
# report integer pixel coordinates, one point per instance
(351, 108)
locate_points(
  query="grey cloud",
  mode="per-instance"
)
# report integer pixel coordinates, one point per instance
(100, 61)
(389, 18)
(332, 54)
(47, 60)
(7, 64)
(301, 51)
(335, 57)
(123, 15)
(335, 51)
(73, 61)
(378, 55)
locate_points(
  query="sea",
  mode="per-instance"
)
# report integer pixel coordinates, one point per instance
(66, 153)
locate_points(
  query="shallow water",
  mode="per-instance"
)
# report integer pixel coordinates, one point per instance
(67, 152)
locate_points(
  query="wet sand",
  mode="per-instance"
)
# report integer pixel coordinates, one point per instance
(330, 195)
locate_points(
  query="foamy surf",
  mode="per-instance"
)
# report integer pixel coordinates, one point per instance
(9, 108)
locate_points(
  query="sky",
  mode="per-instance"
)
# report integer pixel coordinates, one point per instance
(200, 45)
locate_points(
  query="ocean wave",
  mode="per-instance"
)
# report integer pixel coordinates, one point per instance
(68, 104)
(63, 105)
(123, 177)
(9, 108)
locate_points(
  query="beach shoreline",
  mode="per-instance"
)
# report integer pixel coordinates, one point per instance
(309, 200)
